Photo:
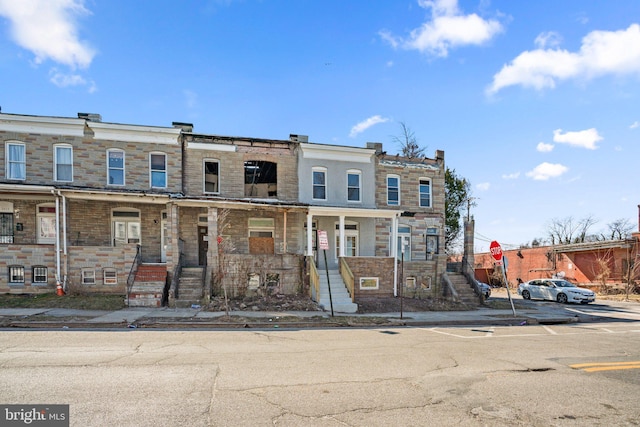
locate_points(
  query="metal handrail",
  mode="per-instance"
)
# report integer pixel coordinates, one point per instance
(132, 273)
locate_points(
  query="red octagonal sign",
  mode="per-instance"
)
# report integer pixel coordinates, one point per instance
(496, 250)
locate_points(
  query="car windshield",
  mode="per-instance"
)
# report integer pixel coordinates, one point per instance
(563, 284)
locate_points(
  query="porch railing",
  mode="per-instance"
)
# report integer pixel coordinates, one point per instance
(347, 277)
(314, 280)
(132, 273)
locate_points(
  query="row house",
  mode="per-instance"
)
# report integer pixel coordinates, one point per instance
(163, 214)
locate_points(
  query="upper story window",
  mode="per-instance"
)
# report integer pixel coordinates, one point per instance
(319, 184)
(211, 176)
(425, 193)
(115, 167)
(16, 167)
(393, 190)
(158, 170)
(260, 179)
(63, 159)
(353, 185)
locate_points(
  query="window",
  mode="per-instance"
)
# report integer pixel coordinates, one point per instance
(115, 167)
(110, 277)
(319, 184)
(158, 168)
(39, 275)
(425, 193)
(260, 179)
(6, 227)
(63, 169)
(125, 226)
(16, 167)
(261, 227)
(393, 190)
(46, 223)
(16, 274)
(211, 176)
(88, 276)
(432, 243)
(353, 186)
(369, 283)
(404, 236)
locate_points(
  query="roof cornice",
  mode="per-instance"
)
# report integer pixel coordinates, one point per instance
(335, 152)
(133, 133)
(42, 125)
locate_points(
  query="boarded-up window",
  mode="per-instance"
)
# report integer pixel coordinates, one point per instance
(261, 231)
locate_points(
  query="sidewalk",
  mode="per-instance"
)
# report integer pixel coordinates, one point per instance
(172, 318)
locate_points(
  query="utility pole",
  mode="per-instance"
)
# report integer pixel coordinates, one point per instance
(470, 202)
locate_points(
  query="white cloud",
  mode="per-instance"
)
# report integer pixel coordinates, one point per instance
(548, 39)
(366, 124)
(514, 175)
(584, 138)
(48, 29)
(601, 53)
(483, 186)
(634, 125)
(545, 170)
(544, 147)
(448, 28)
(64, 80)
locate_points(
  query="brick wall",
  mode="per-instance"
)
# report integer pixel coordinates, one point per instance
(382, 268)
(27, 256)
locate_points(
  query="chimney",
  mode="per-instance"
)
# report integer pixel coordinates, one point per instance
(376, 146)
(90, 117)
(440, 155)
(186, 127)
(298, 138)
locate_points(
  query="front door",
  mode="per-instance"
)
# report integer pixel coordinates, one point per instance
(203, 245)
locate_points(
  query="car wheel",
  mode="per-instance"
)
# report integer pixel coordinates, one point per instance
(562, 298)
(526, 295)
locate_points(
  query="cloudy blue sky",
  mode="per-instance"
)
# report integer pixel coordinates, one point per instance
(535, 102)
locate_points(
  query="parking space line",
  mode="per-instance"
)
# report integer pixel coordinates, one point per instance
(548, 329)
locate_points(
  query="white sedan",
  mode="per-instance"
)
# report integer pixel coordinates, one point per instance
(556, 290)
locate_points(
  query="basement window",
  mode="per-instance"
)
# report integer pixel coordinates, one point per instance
(110, 277)
(88, 276)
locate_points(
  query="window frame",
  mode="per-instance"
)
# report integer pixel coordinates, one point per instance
(8, 226)
(35, 276)
(57, 162)
(42, 215)
(397, 190)
(156, 172)
(110, 280)
(128, 224)
(204, 176)
(14, 272)
(429, 194)
(110, 168)
(88, 276)
(9, 163)
(357, 173)
(268, 226)
(323, 185)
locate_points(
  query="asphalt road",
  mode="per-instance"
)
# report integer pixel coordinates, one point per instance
(542, 375)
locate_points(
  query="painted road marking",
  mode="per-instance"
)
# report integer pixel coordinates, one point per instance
(606, 366)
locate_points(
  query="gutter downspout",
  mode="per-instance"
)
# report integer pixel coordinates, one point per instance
(394, 250)
(64, 240)
(57, 238)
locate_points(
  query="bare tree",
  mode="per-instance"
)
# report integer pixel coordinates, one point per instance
(408, 142)
(619, 229)
(568, 230)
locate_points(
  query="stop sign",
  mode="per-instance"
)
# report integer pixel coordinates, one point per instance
(496, 250)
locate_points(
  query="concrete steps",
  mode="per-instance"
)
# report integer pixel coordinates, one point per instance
(190, 287)
(148, 286)
(464, 289)
(339, 294)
